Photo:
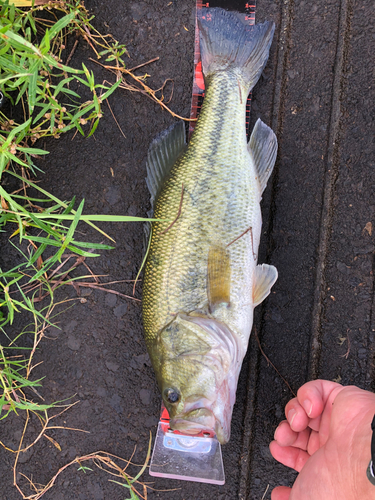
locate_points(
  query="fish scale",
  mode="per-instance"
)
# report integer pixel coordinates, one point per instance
(210, 177)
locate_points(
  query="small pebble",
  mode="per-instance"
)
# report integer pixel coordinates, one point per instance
(145, 396)
(110, 300)
(120, 310)
(112, 366)
(73, 343)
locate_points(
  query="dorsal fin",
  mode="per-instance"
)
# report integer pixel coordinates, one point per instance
(263, 147)
(162, 155)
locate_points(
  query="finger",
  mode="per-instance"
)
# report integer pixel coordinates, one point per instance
(313, 396)
(314, 423)
(295, 458)
(285, 436)
(280, 493)
(317, 398)
(314, 443)
(296, 415)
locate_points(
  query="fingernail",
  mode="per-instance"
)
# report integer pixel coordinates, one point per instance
(291, 415)
(307, 405)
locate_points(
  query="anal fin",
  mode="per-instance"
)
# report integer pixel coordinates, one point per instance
(264, 277)
(218, 276)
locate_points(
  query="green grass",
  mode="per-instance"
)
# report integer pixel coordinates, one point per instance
(41, 228)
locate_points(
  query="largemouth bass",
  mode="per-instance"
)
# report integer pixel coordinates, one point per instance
(202, 280)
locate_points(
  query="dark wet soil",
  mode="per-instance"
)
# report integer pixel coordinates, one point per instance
(317, 93)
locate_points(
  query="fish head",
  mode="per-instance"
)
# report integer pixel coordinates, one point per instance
(199, 363)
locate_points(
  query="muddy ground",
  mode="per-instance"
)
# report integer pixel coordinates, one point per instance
(317, 93)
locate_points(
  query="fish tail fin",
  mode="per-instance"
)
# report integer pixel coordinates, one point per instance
(228, 43)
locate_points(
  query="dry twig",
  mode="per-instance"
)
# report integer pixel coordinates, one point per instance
(178, 213)
(273, 366)
(145, 89)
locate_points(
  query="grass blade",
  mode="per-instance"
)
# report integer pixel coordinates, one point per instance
(61, 203)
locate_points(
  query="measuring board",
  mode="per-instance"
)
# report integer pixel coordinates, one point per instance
(247, 8)
(177, 455)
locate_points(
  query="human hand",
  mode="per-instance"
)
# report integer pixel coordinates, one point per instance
(327, 439)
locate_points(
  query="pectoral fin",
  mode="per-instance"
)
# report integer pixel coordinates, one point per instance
(264, 277)
(218, 276)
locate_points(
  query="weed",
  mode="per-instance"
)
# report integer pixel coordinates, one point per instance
(39, 85)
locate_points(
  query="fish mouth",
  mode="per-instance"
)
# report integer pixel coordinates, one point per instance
(227, 356)
(202, 420)
(211, 408)
(194, 422)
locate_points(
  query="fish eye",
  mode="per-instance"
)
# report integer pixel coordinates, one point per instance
(172, 395)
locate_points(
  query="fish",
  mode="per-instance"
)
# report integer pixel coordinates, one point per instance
(201, 280)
